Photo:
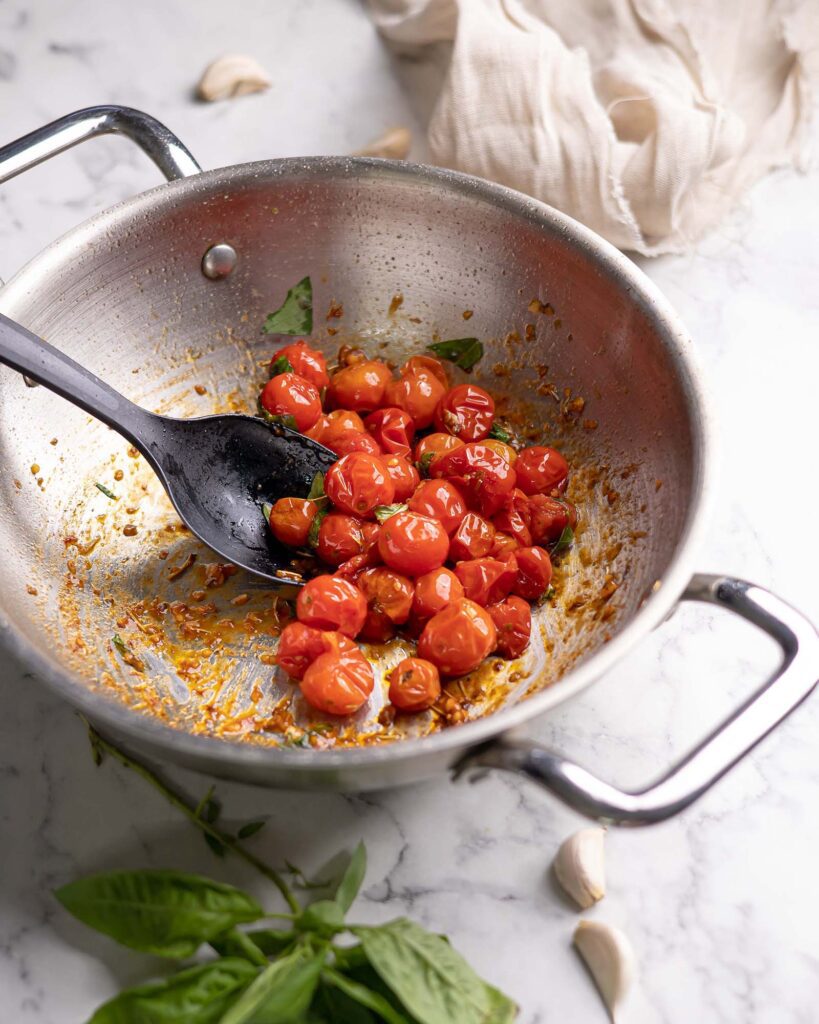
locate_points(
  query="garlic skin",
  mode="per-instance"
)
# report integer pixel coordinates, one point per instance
(580, 866)
(392, 145)
(609, 956)
(235, 74)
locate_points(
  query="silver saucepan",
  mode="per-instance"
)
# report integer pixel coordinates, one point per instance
(127, 617)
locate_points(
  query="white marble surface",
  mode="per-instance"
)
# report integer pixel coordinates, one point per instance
(721, 903)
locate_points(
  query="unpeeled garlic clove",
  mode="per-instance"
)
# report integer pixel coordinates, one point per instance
(235, 74)
(392, 145)
(609, 956)
(580, 866)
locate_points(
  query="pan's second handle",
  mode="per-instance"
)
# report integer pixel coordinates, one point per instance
(721, 750)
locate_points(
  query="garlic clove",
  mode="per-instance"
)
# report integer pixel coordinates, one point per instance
(609, 956)
(392, 145)
(580, 866)
(235, 74)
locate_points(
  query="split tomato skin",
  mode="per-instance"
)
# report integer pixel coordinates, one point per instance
(307, 362)
(431, 447)
(389, 602)
(291, 519)
(441, 500)
(413, 544)
(393, 430)
(534, 572)
(339, 538)
(457, 639)
(427, 364)
(405, 477)
(549, 517)
(513, 622)
(487, 580)
(338, 683)
(332, 603)
(358, 483)
(480, 474)
(418, 392)
(434, 591)
(466, 411)
(300, 645)
(286, 394)
(473, 538)
(540, 470)
(415, 685)
(513, 518)
(360, 386)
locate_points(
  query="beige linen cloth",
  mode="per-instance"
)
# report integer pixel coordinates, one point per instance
(644, 119)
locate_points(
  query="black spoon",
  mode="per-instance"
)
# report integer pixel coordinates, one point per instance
(217, 470)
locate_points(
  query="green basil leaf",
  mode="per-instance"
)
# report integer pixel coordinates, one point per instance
(108, 493)
(199, 995)
(315, 526)
(250, 829)
(384, 512)
(282, 992)
(214, 844)
(288, 420)
(317, 488)
(295, 315)
(463, 352)
(564, 541)
(430, 978)
(325, 917)
(424, 463)
(503, 1010)
(365, 996)
(167, 913)
(281, 365)
(267, 508)
(269, 941)
(547, 595)
(332, 1006)
(500, 433)
(353, 877)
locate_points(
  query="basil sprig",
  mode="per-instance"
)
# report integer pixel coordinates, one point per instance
(384, 512)
(295, 315)
(463, 352)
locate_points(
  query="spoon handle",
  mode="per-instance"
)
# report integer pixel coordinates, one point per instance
(25, 352)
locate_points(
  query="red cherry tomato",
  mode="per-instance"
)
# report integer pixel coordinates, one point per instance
(345, 441)
(534, 572)
(540, 470)
(393, 430)
(338, 683)
(389, 602)
(339, 537)
(487, 580)
(367, 557)
(290, 520)
(457, 639)
(289, 395)
(328, 602)
(441, 500)
(418, 393)
(317, 429)
(480, 474)
(337, 423)
(513, 621)
(473, 538)
(513, 518)
(503, 544)
(358, 482)
(431, 447)
(300, 645)
(434, 591)
(427, 364)
(466, 411)
(413, 544)
(414, 685)
(360, 386)
(405, 477)
(548, 518)
(306, 362)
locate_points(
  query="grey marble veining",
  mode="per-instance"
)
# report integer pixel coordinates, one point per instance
(721, 904)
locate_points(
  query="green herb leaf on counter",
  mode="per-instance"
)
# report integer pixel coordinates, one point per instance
(365, 997)
(105, 491)
(301, 880)
(384, 512)
(564, 541)
(500, 433)
(463, 352)
(214, 844)
(250, 829)
(295, 315)
(282, 992)
(281, 365)
(352, 878)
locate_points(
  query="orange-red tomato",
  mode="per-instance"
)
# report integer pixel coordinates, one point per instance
(534, 572)
(358, 482)
(329, 602)
(513, 621)
(480, 474)
(337, 423)
(393, 430)
(548, 518)
(432, 446)
(345, 441)
(441, 500)
(473, 538)
(466, 411)
(290, 520)
(414, 685)
(457, 639)
(300, 645)
(434, 591)
(429, 364)
(506, 451)
(306, 362)
(338, 683)
(487, 580)
(317, 429)
(503, 544)
(389, 602)
(540, 469)
(339, 537)
(361, 386)
(413, 544)
(513, 518)
(418, 393)
(405, 477)
(368, 557)
(289, 395)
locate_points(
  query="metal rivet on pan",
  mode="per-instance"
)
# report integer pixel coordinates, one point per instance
(219, 261)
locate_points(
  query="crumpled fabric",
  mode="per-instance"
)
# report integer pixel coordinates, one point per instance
(644, 119)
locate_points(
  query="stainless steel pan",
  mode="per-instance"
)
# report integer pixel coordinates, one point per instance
(167, 291)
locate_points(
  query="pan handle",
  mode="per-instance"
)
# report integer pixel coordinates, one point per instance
(152, 137)
(792, 682)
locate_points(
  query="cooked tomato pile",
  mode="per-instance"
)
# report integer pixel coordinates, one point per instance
(433, 522)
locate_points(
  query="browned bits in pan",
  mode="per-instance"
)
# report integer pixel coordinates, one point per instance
(118, 474)
(336, 310)
(395, 304)
(240, 599)
(31, 590)
(129, 531)
(467, 314)
(217, 572)
(200, 389)
(35, 469)
(176, 571)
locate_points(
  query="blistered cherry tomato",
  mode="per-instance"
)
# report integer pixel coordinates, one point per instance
(418, 393)
(513, 518)
(513, 621)
(413, 544)
(540, 469)
(367, 557)
(338, 684)
(429, 364)
(466, 411)
(317, 429)
(548, 518)
(337, 423)
(300, 645)
(473, 538)
(360, 386)
(289, 395)
(432, 446)
(441, 500)
(434, 591)
(290, 520)
(487, 580)
(503, 544)
(457, 639)
(389, 602)
(328, 602)
(506, 451)
(339, 537)
(393, 429)
(534, 572)
(405, 477)
(480, 474)
(306, 362)
(414, 685)
(345, 441)
(358, 482)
